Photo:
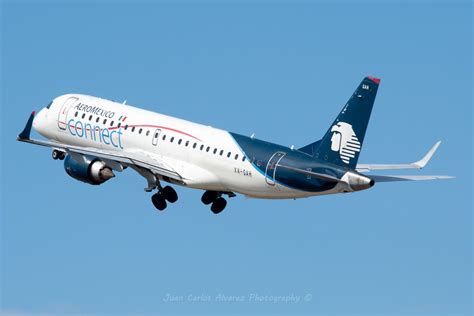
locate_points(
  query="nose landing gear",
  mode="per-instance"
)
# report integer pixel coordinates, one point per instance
(56, 154)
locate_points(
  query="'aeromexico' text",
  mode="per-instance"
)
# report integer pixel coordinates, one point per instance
(94, 110)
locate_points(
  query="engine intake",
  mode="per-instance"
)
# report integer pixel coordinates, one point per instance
(87, 169)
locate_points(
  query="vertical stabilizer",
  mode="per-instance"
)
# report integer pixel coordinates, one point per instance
(342, 143)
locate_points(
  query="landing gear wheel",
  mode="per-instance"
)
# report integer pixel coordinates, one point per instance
(208, 197)
(158, 201)
(218, 205)
(56, 154)
(169, 194)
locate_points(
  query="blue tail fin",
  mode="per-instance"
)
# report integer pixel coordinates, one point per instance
(342, 143)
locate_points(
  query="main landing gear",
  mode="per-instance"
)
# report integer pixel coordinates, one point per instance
(168, 194)
(164, 194)
(56, 154)
(218, 203)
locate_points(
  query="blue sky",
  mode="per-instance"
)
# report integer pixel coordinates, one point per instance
(281, 71)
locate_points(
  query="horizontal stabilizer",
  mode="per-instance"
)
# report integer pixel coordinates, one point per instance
(415, 165)
(378, 178)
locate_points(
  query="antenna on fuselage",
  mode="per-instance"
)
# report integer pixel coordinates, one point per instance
(124, 101)
(252, 136)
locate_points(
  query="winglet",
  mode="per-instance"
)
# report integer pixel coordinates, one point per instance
(25, 134)
(422, 162)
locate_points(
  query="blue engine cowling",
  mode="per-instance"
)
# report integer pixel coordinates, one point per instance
(87, 169)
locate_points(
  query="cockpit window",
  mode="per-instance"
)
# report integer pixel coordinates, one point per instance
(49, 105)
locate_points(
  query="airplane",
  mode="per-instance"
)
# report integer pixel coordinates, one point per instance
(97, 137)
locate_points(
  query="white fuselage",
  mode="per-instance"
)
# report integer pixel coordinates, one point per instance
(205, 157)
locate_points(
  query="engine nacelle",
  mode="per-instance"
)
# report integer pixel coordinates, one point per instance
(87, 169)
(356, 181)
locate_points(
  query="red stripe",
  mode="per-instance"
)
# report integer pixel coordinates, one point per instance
(376, 80)
(145, 125)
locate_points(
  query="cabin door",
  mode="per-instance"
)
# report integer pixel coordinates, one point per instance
(270, 170)
(62, 118)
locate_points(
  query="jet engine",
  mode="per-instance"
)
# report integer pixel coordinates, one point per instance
(356, 181)
(87, 169)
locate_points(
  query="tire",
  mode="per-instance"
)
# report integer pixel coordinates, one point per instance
(55, 154)
(158, 201)
(208, 197)
(218, 205)
(169, 194)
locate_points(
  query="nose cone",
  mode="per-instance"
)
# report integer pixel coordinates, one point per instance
(40, 122)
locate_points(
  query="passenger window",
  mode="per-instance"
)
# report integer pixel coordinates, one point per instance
(208, 148)
(97, 119)
(179, 141)
(215, 150)
(133, 129)
(140, 130)
(75, 115)
(126, 126)
(148, 133)
(221, 152)
(112, 123)
(194, 146)
(84, 115)
(236, 156)
(119, 124)
(90, 117)
(172, 139)
(243, 158)
(187, 143)
(164, 137)
(202, 147)
(105, 121)
(156, 134)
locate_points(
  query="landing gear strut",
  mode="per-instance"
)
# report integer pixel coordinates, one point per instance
(218, 203)
(56, 154)
(164, 194)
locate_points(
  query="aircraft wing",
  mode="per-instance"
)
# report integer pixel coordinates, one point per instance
(415, 165)
(113, 159)
(379, 178)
